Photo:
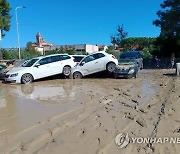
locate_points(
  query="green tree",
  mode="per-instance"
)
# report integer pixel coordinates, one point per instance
(169, 18)
(169, 21)
(117, 38)
(4, 16)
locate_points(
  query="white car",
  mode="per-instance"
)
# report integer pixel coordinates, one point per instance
(96, 62)
(41, 67)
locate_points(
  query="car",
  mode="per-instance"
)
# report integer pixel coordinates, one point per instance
(2, 69)
(133, 55)
(41, 67)
(78, 58)
(18, 63)
(126, 68)
(93, 63)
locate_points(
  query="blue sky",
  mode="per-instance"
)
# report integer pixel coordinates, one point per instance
(64, 22)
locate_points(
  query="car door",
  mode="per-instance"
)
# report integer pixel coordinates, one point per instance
(43, 68)
(101, 61)
(89, 65)
(56, 66)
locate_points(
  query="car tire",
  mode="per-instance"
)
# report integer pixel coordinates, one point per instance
(110, 67)
(66, 71)
(77, 75)
(27, 78)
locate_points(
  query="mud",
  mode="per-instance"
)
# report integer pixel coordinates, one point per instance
(84, 116)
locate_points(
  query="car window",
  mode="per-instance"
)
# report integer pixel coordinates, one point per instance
(128, 55)
(95, 56)
(44, 61)
(30, 63)
(55, 58)
(100, 55)
(65, 57)
(78, 58)
(88, 59)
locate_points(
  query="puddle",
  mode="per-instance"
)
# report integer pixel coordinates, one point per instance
(22, 106)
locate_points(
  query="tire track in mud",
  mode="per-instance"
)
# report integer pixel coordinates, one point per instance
(161, 112)
(48, 135)
(100, 106)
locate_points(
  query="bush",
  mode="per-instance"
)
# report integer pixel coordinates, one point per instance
(9, 55)
(115, 53)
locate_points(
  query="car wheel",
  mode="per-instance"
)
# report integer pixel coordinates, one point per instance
(110, 67)
(66, 71)
(27, 78)
(77, 75)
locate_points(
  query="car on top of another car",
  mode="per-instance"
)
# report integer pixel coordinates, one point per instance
(93, 63)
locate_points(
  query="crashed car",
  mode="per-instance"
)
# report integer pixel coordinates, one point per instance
(126, 68)
(94, 63)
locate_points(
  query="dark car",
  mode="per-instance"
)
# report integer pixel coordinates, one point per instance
(2, 68)
(126, 68)
(133, 55)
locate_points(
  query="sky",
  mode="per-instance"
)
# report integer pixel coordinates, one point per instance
(68, 22)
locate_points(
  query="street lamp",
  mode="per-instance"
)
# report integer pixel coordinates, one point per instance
(17, 28)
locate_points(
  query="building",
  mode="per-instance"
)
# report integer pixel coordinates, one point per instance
(41, 45)
(79, 48)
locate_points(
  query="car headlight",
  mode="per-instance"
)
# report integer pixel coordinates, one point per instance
(14, 75)
(131, 71)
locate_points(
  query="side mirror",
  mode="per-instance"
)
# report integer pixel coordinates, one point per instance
(37, 65)
(82, 63)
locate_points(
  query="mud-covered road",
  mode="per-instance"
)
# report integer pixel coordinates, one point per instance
(84, 116)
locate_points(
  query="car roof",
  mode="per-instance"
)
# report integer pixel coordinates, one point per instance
(78, 55)
(128, 53)
(40, 57)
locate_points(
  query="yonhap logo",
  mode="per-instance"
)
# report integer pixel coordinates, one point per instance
(123, 139)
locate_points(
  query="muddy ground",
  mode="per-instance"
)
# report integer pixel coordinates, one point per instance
(84, 116)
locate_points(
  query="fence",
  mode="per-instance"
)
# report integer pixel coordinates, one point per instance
(164, 63)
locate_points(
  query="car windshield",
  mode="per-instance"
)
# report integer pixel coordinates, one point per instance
(19, 63)
(30, 63)
(126, 61)
(131, 55)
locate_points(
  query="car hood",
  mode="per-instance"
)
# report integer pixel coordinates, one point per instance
(15, 69)
(125, 66)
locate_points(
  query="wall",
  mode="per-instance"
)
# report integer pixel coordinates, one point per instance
(91, 48)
